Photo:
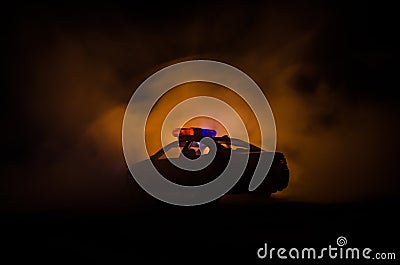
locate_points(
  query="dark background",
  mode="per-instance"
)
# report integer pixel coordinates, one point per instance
(69, 69)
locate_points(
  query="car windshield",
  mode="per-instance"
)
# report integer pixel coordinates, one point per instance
(173, 150)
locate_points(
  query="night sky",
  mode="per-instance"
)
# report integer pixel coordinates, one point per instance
(68, 70)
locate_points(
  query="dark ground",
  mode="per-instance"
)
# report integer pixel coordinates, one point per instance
(167, 234)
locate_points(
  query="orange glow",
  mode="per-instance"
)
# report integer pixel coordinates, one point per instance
(182, 131)
(193, 89)
(208, 123)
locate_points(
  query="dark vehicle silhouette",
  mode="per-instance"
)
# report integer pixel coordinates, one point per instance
(189, 145)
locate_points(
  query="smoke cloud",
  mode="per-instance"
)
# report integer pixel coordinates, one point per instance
(73, 77)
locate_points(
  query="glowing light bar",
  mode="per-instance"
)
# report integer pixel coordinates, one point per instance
(182, 131)
(194, 133)
(208, 133)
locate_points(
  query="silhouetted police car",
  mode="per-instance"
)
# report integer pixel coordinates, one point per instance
(188, 145)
